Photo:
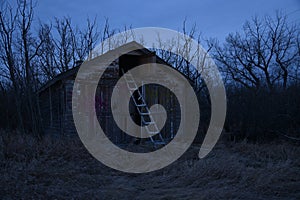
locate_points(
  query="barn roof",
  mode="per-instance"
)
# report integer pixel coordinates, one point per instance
(71, 72)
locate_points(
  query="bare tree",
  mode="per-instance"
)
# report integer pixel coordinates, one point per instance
(18, 50)
(65, 46)
(46, 55)
(185, 55)
(28, 51)
(86, 40)
(264, 58)
(263, 54)
(107, 42)
(8, 20)
(60, 53)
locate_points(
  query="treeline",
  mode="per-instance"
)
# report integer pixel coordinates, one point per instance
(260, 67)
(32, 53)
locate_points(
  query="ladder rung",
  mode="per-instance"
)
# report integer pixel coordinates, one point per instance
(159, 142)
(153, 132)
(144, 113)
(130, 88)
(149, 123)
(141, 105)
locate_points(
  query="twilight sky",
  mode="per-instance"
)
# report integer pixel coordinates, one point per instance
(214, 18)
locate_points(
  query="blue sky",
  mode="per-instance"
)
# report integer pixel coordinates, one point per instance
(214, 18)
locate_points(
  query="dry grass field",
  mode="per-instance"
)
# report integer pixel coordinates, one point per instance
(61, 168)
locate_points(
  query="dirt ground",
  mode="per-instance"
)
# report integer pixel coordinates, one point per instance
(61, 168)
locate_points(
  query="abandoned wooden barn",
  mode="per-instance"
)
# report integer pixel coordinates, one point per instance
(56, 98)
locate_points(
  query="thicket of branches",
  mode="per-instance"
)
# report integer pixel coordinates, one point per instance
(260, 67)
(31, 55)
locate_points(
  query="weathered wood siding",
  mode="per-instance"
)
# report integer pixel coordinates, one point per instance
(56, 105)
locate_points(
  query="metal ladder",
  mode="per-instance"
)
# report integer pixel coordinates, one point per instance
(143, 110)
